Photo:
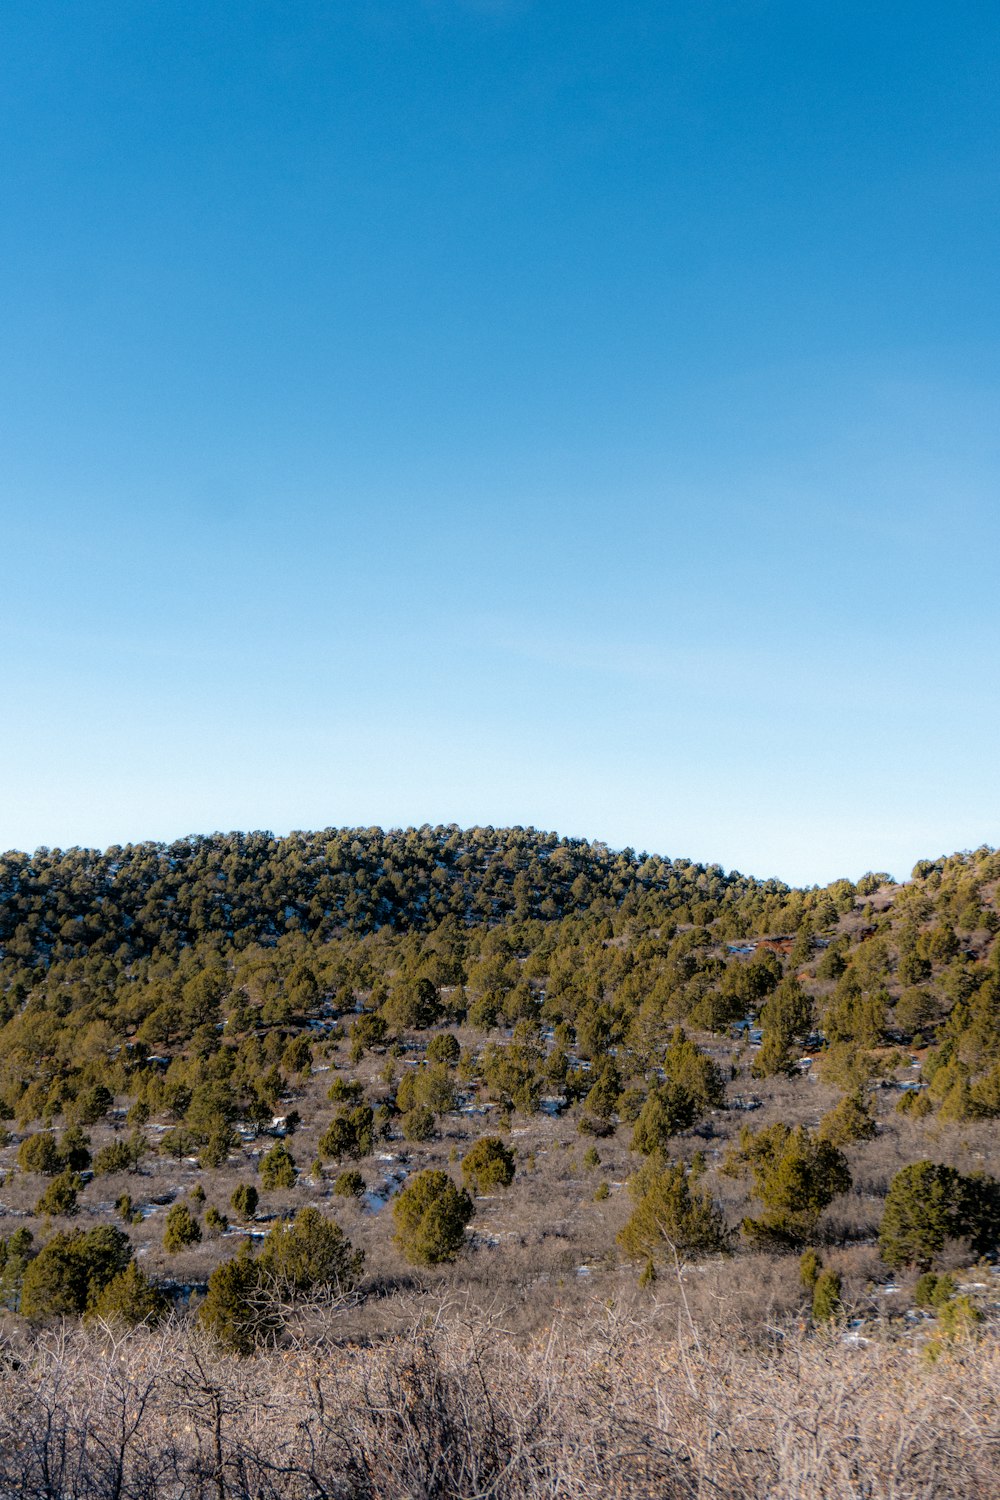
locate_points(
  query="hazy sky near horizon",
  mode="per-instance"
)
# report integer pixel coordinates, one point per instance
(503, 411)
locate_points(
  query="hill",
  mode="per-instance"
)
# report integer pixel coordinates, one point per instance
(282, 1090)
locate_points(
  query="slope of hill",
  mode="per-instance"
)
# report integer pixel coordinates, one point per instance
(333, 1075)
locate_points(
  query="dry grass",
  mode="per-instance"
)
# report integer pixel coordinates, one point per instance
(459, 1408)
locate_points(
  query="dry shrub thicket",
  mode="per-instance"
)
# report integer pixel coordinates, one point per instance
(462, 1409)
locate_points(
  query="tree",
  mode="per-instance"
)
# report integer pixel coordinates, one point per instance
(431, 1216)
(311, 1254)
(59, 1198)
(826, 1296)
(130, 1298)
(668, 1110)
(671, 1214)
(413, 1005)
(849, 1120)
(40, 1153)
(511, 1074)
(796, 1176)
(92, 1104)
(488, 1164)
(434, 1088)
(928, 1204)
(277, 1168)
(120, 1156)
(74, 1148)
(297, 1056)
(419, 1123)
(236, 1310)
(247, 1299)
(444, 1048)
(367, 1031)
(216, 1222)
(69, 1273)
(244, 1200)
(602, 1098)
(687, 1068)
(810, 1265)
(351, 1134)
(349, 1184)
(181, 1229)
(216, 1149)
(786, 1016)
(15, 1252)
(345, 1091)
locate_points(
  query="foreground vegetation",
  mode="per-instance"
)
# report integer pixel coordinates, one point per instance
(611, 1406)
(274, 1098)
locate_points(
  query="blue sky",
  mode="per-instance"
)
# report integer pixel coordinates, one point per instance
(531, 412)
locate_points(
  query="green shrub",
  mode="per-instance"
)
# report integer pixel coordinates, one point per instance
(215, 1152)
(810, 1265)
(15, 1252)
(431, 1216)
(419, 1124)
(958, 1318)
(215, 1221)
(59, 1198)
(668, 1110)
(71, 1270)
(91, 1105)
(236, 1309)
(488, 1164)
(345, 1091)
(277, 1168)
(367, 1031)
(310, 1254)
(349, 1184)
(795, 1175)
(444, 1048)
(74, 1149)
(413, 1005)
(826, 1296)
(928, 1204)
(246, 1298)
(130, 1298)
(121, 1156)
(849, 1120)
(932, 1290)
(181, 1229)
(350, 1134)
(244, 1200)
(670, 1215)
(40, 1153)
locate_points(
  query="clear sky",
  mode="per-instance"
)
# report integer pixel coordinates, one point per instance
(503, 411)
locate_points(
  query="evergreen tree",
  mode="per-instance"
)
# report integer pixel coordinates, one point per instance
(181, 1229)
(277, 1168)
(671, 1214)
(130, 1298)
(431, 1216)
(488, 1164)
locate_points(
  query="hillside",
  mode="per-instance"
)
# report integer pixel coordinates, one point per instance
(268, 1086)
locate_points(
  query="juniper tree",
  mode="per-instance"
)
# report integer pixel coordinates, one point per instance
(671, 1214)
(431, 1215)
(488, 1164)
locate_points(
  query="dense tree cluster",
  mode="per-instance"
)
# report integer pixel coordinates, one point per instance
(187, 997)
